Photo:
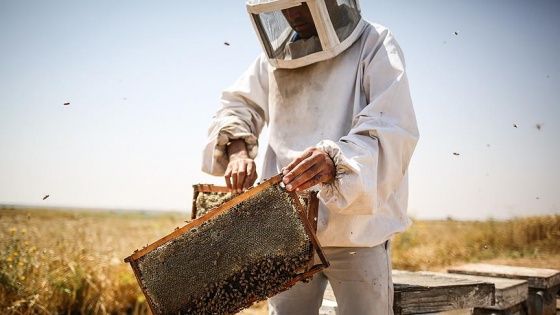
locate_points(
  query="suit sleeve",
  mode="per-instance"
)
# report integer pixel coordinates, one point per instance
(373, 158)
(242, 115)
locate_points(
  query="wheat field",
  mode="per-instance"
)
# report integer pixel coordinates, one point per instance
(71, 261)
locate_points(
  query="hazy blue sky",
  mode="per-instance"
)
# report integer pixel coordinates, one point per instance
(143, 79)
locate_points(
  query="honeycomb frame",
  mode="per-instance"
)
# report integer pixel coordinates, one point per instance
(222, 194)
(181, 274)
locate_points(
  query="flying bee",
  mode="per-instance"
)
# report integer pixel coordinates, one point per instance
(538, 126)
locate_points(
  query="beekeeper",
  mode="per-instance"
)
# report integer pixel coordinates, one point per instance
(333, 92)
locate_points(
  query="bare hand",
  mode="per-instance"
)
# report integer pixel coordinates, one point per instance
(312, 167)
(241, 171)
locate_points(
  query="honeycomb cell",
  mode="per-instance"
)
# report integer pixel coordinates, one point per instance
(242, 249)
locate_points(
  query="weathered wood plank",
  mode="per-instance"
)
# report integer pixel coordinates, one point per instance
(430, 292)
(539, 278)
(519, 309)
(329, 306)
(509, 292)
(543, 283)
(427, 292)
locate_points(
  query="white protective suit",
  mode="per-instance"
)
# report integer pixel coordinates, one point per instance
(357, 108)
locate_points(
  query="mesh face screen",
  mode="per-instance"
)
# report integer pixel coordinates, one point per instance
(252, 250)
(344, 17)
(275, 30)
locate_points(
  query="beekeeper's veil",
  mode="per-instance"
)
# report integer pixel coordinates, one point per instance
(296, 33)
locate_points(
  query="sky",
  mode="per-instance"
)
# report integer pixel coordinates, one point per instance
(143, 79)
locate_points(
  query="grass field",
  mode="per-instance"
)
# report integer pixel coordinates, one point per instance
(55, 262)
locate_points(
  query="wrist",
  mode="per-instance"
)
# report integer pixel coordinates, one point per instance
(236, 149)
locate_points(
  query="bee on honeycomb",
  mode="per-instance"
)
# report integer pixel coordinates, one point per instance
(248, 249)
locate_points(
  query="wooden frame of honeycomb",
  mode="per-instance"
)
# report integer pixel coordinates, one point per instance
(221, 194)
(253, 246)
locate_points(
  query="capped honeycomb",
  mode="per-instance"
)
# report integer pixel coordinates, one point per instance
(208, 197)
(252, 246)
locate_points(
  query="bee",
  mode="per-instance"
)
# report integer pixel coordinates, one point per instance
(514, 125)
(538, 126)
(45, 197)
(66, 103)
(226, 43)
(456, 153)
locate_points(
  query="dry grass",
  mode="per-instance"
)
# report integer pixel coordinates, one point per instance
(71, 262)
(435, 245)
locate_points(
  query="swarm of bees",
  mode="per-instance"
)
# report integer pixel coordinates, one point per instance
(229, 259)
